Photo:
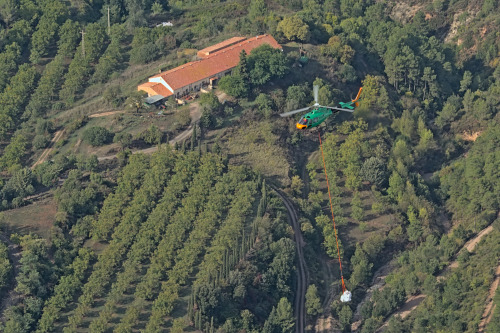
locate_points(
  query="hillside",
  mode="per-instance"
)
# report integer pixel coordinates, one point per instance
(213, 215)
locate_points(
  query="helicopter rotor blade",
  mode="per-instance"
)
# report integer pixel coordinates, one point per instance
(287, 114)
(316, 90)
(339, 109)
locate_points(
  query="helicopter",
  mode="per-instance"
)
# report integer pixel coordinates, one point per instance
(320, 112)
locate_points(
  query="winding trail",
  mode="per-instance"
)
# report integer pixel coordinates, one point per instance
(414, 301)
(490, 305)
(49, 149)
(302, 273)
(105, 114)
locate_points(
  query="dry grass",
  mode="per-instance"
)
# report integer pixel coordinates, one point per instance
(470, 136)
(258, 147)
(37, 217)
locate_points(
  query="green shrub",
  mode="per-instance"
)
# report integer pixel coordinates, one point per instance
(97, 136)
(40, 141)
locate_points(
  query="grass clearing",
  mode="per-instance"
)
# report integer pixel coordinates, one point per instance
(258, 147)
(37, 217)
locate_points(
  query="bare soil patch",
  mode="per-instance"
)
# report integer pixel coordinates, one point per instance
(104, 114)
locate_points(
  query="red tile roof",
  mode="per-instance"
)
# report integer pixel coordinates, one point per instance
(155, 88)
(214, 48)
(220, 61)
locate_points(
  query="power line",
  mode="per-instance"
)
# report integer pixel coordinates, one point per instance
(83, 42)
(109, 25)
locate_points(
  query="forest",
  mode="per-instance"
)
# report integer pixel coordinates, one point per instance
(119, 217)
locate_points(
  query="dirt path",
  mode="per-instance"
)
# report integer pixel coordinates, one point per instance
(302, 273)
(412, 302)
(14, 256)
(194, 112)
(378, 282)
(470, 246)
(490, 306)
(49, 149)
(104, 114)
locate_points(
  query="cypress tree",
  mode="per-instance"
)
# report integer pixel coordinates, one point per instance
(242, 68)
(190, 307)
(193, 138)
(197, 322)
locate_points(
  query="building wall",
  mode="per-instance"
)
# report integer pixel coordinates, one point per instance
(196, 86)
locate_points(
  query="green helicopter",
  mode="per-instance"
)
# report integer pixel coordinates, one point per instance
(319, 113)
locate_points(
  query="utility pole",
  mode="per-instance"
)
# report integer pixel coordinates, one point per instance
(83, 42)
(109, 25)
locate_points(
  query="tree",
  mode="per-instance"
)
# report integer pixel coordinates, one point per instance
(152, 135)
(47, 89)
(345, 317)
(112, 95)
(264, 103)
(234, 85)
(12, 154)
(357, 212)
(8, 10)
(297, 96)
(294, 28)
(296, 185)
(135, 100)
(429, 78)
(40, 141)
(210, 106)
(124, 138)
(258, 9)
(466, 81)
(97, 136)
(110, 62)
(415, 230)
(284, 316)
(374, 170)
(313, 303)
(266, 63)
(242, 69)
(8, 63)
(69, 36)
(361, 267)
(54, 13)
(450, 111)
(157, 8)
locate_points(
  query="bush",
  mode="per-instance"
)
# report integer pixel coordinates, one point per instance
(40, 141)
(97, 136)
(124, 139)
(144, 54)
(76, 124)
(44, 126)
(374, 170)
(153, 135)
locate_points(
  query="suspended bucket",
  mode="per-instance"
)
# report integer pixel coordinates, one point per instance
(346, 296)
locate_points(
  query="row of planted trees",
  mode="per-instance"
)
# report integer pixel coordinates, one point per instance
(169, 216)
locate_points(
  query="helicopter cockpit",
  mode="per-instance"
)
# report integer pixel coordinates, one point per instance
(303, 123)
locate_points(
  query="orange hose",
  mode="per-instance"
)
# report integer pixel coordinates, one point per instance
(331, 208)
